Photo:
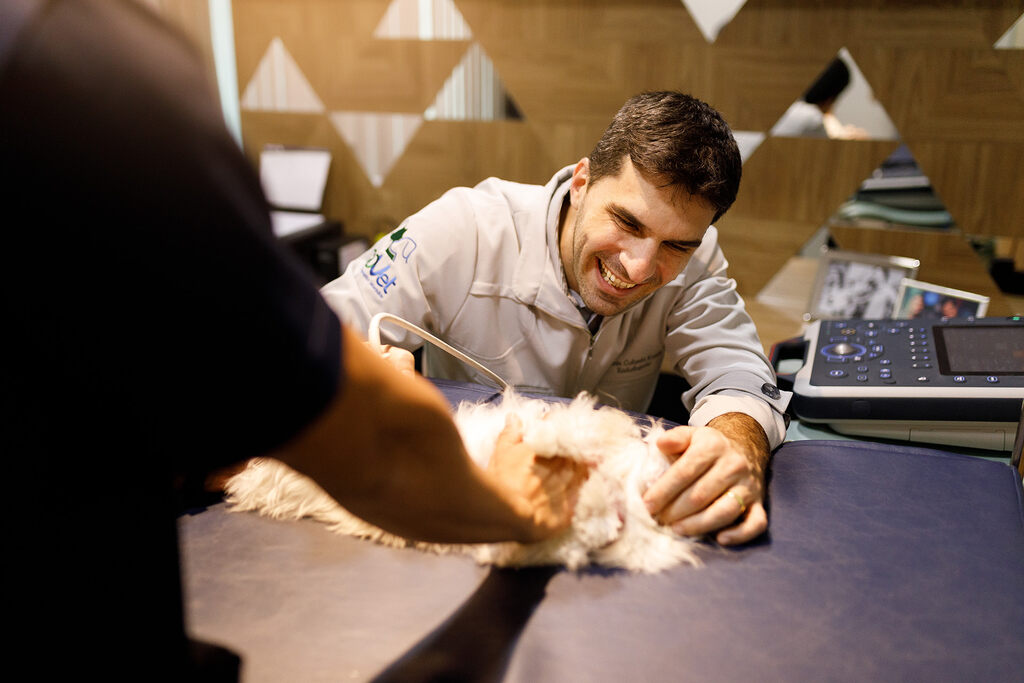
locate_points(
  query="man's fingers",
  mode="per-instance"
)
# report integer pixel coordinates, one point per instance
(681, 475)
(706, 470)
(715, 486)
(512, 432)
(750, 527)
(676, 440)
(748, 519)
(703, 488)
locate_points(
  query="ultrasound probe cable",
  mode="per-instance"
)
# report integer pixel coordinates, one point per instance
(374, 336)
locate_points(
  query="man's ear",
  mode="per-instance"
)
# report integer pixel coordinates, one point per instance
(579, 183)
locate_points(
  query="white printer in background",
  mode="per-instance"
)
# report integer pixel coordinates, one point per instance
(294, 180)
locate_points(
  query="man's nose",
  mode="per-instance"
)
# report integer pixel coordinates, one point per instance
(639, 258)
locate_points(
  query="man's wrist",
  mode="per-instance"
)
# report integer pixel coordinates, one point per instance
(747, 435)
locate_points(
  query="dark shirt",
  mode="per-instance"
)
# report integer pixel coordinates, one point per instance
(153, 328)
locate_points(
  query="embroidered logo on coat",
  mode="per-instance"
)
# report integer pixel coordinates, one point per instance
(376, 269)
(631, 365)
(400, 245)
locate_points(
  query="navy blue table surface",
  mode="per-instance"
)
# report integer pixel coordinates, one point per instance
(882, 563)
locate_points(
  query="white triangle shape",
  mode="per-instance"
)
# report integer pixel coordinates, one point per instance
(748, 141)
(711, 16)
(423, 20)
(377, 139)
(856, 106)
(1013, 39)
(278, 84)
(472, 92)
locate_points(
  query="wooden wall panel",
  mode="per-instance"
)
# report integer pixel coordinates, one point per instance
(945, 94)
(333, 44)
(833, 23)
(570, 60)
(505, 149)
(569, 64)
(981, 183)
(803, 179)
(757, 248)
(753, 91)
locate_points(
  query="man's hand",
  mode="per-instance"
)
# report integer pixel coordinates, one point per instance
(716, 483)
(399, 358)
(544, 489)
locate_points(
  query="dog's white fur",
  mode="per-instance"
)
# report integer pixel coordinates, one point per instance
(611, 525)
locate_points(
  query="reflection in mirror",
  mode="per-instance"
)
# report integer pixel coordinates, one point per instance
(422, 20)
(839, 104)
(748, 141)
(473, 92)
(711, 16)
(1013, 39)
(898, 194)
(377, 139)
(278, 84)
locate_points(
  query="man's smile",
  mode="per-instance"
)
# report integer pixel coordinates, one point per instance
(612, 280)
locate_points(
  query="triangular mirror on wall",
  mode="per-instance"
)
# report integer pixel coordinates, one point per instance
(473, 92)
(422, 20)
(1013, 39)
(838, 104)
(748, 141)
(378, 139)
(278, 84)
(711, 16)
(897, 194)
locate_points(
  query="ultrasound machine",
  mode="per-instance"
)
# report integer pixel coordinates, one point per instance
(954, 381)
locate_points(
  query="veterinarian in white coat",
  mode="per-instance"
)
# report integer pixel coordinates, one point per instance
(593, 282)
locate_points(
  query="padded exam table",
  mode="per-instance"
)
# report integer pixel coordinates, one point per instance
(882, 563)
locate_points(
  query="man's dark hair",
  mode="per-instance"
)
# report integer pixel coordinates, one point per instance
(832, 81)
(673, 137)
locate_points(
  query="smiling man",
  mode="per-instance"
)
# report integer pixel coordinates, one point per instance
(595, 282)
(630, 239)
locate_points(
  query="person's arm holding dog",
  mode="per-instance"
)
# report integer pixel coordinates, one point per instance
(386, 446)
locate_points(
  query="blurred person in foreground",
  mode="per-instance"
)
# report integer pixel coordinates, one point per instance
(132, 363)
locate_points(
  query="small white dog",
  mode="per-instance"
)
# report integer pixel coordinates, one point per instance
(611, 525)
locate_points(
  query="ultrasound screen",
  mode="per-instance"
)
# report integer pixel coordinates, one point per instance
(980, 350)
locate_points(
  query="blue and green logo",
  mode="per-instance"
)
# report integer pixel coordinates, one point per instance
(377, 268)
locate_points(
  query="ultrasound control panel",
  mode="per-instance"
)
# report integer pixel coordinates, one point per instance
(906, 353)
(930, 374)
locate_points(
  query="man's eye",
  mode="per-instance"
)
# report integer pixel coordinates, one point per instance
(678, 249)
(627, 226)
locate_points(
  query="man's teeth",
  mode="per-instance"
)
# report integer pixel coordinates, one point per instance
(614, 281)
